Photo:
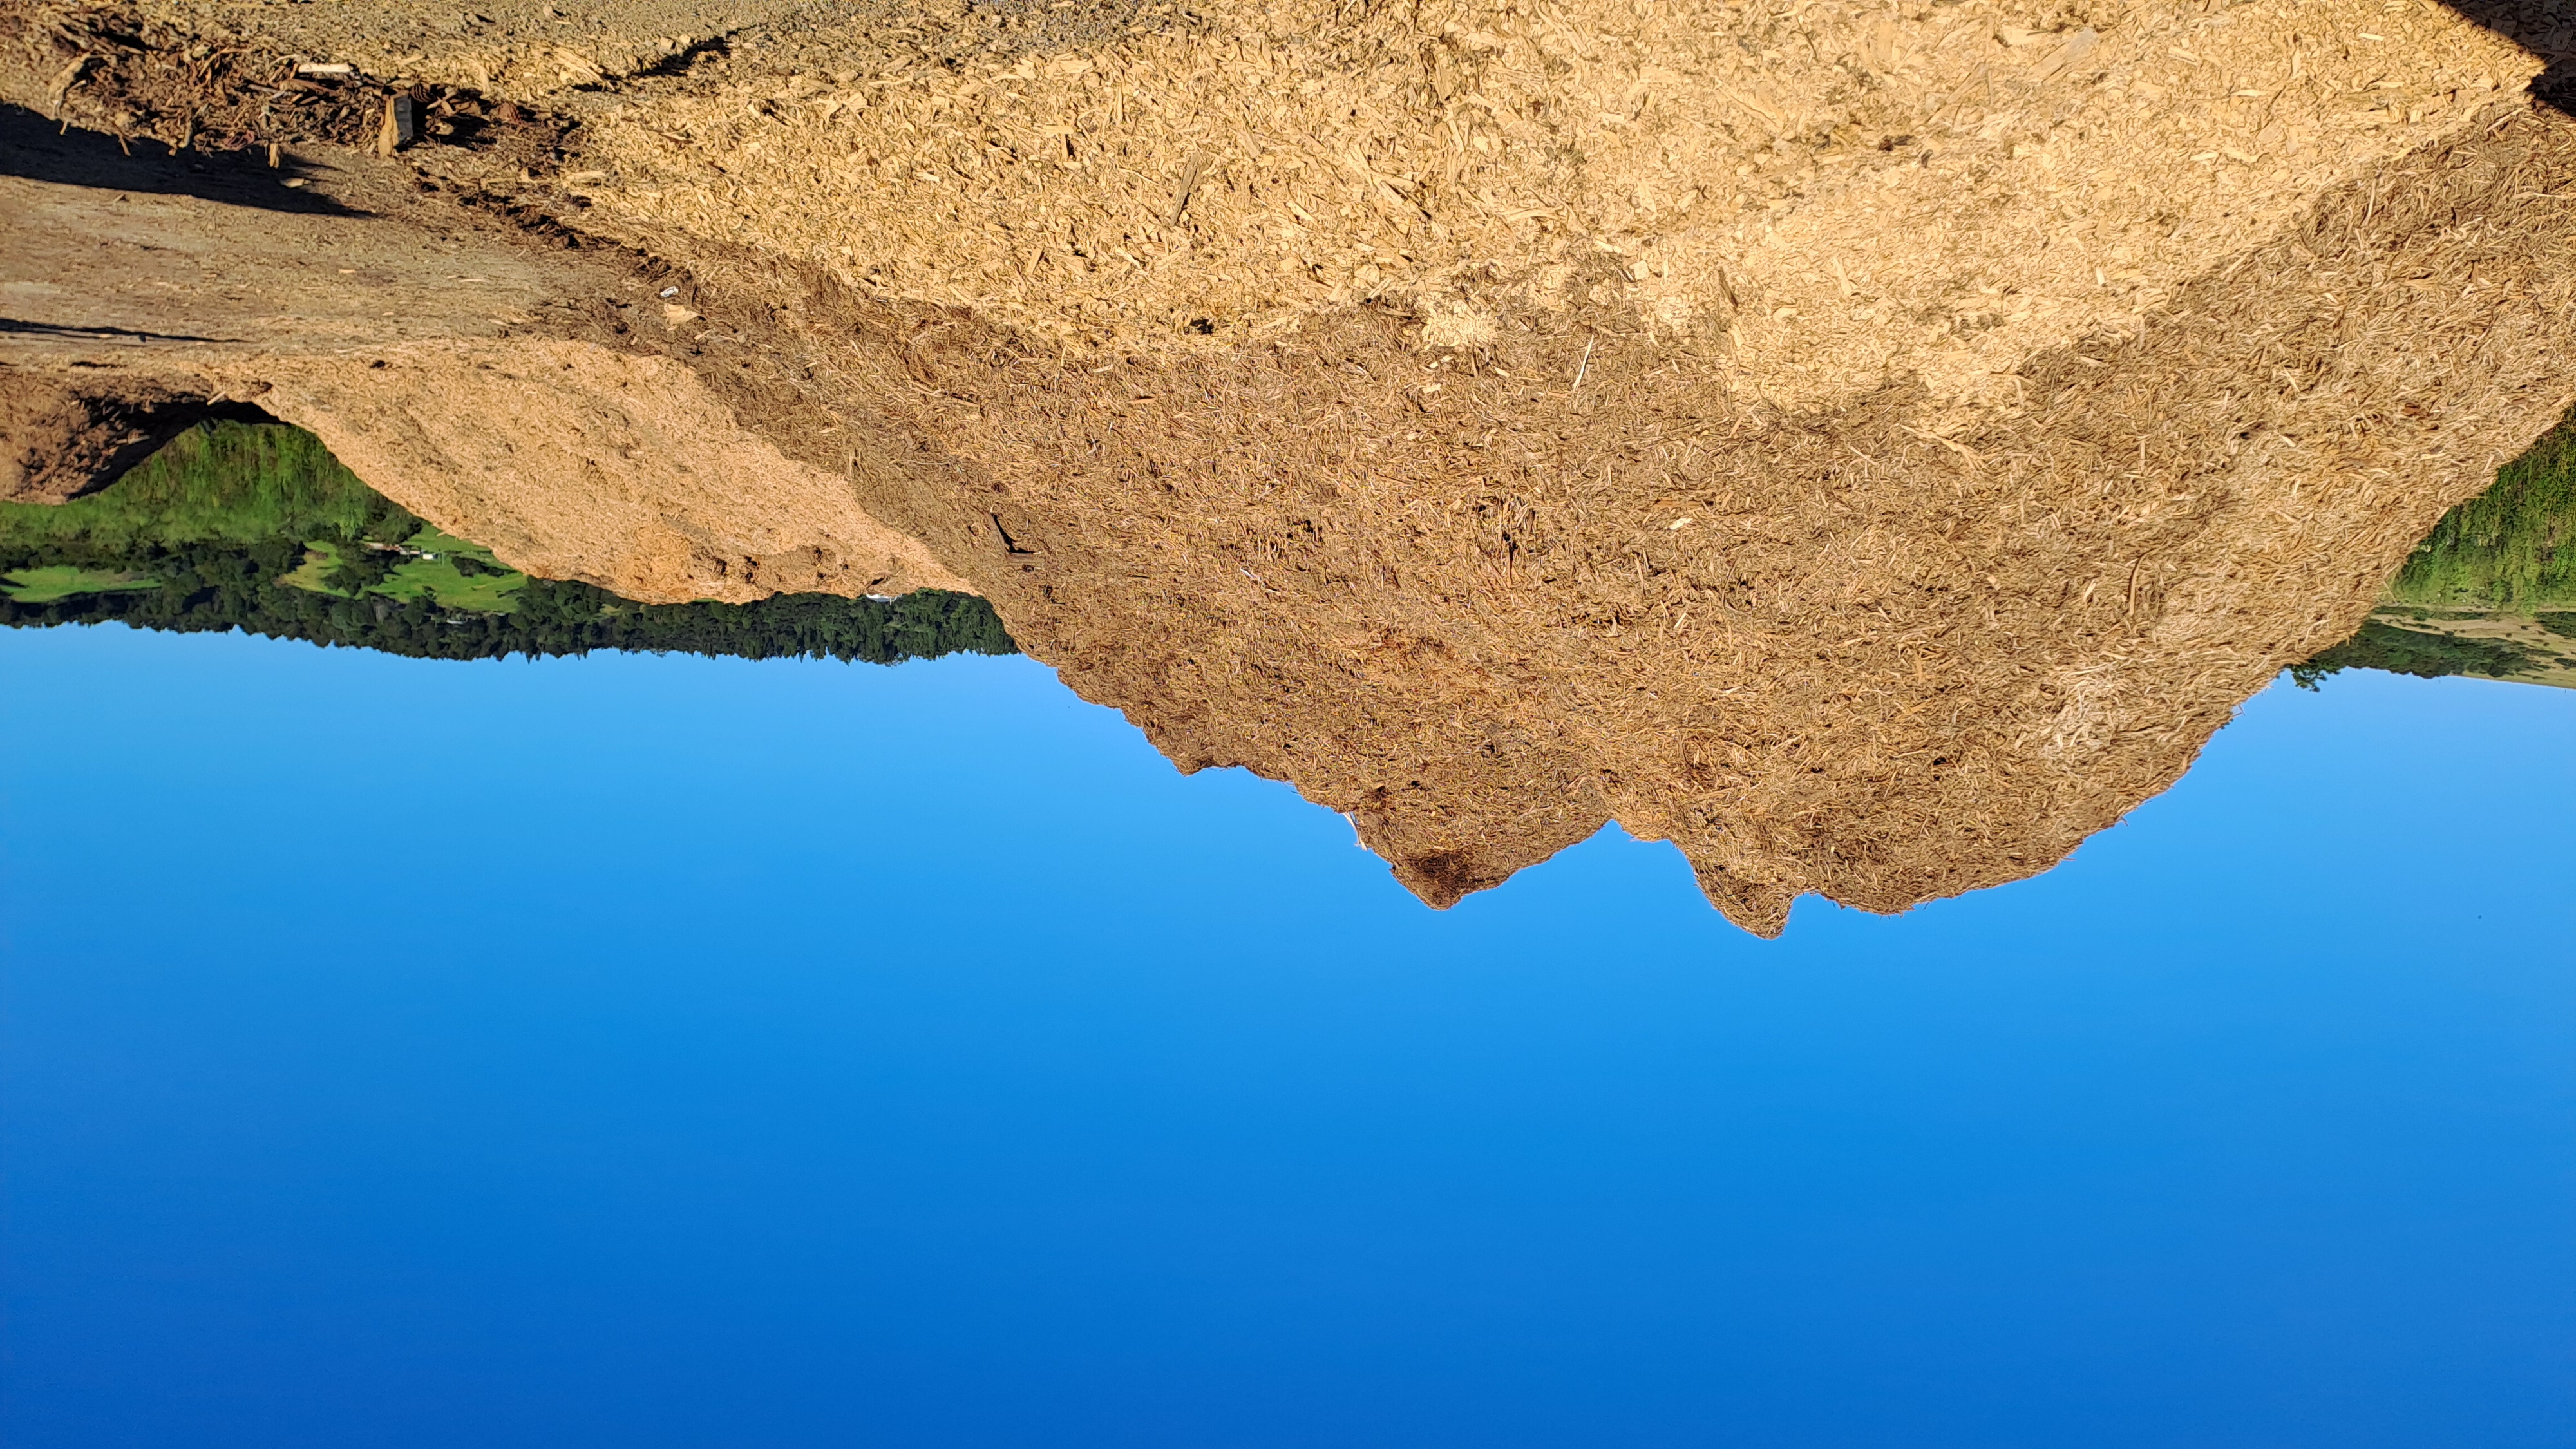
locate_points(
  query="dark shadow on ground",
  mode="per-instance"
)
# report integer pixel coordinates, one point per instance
(2546, 28)
(41, 150)
(11, 326)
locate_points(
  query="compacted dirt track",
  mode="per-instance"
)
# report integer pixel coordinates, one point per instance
(1872, 449)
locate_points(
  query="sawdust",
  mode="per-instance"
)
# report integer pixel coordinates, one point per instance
(649, 487)
(1822, 204)
(1871, 448)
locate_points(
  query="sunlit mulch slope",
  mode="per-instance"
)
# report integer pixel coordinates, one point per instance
(1873, 450)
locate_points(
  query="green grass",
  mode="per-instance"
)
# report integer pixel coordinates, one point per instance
(229, 482)
(430, 540)
(250, 484)
(54, 582)
(353, 570)
(439, 579)
(313, 575)
(2512, 547)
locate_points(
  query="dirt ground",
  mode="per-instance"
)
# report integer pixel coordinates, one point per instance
(1874, 452)
(444, 358)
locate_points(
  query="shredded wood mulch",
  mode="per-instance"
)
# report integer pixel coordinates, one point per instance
(1872, 448)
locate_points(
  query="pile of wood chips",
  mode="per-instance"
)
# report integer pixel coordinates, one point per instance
(1870, 446)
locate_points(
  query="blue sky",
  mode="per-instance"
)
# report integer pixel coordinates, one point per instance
(688, 1052)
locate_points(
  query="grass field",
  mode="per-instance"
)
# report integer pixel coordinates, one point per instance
(437, 576)
(439, 579)
(49, 583)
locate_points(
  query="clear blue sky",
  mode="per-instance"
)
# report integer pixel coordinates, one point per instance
(673, 1052)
